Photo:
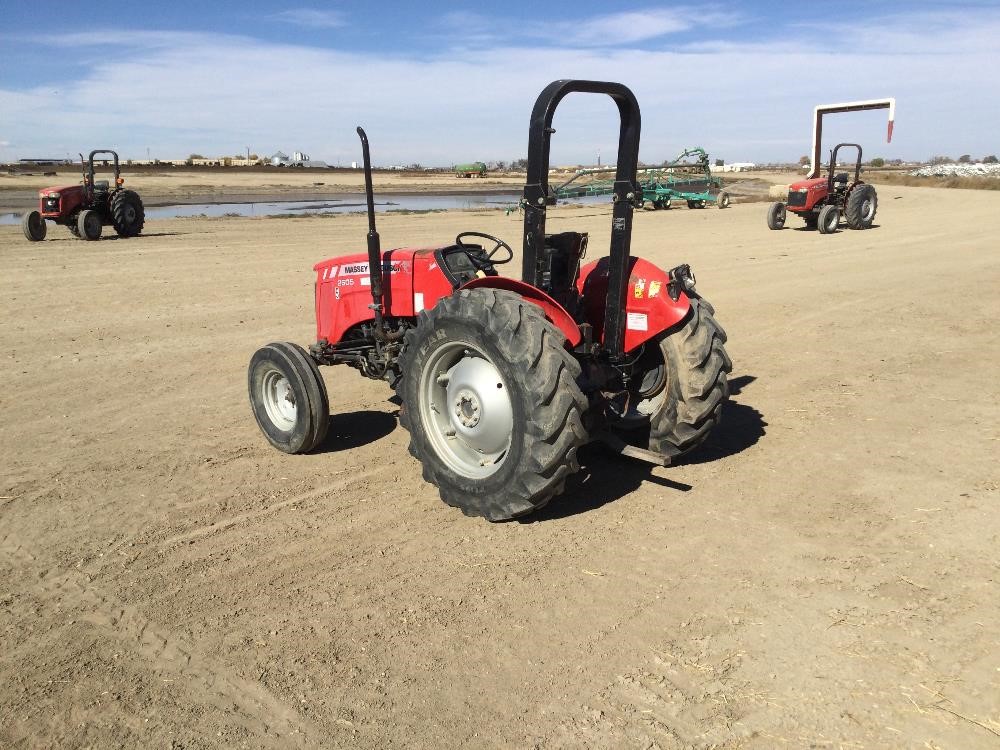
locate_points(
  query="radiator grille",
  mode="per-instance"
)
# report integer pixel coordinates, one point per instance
(797, 198)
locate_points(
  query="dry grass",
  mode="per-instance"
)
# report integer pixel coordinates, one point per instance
(901, 178)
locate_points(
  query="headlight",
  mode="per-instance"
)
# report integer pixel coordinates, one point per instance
(53, 195)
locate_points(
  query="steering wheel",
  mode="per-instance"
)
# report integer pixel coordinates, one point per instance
(497, 245)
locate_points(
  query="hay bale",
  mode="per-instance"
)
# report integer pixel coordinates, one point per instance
(778, 192)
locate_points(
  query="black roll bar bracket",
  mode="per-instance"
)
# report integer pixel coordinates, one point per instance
(627, 195)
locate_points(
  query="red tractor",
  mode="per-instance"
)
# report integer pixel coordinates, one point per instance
(88, 207)
(822, 201)
(501, 380)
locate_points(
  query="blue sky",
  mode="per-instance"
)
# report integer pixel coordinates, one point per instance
(438, 82)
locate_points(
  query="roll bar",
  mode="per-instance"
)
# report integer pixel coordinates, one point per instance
(833, 164)
(627, 195)
(90, 163)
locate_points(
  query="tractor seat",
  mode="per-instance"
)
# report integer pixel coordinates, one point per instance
(842, 177)
(101, 185)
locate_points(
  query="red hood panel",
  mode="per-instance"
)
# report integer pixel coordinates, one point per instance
(807, 184)
(60, 189)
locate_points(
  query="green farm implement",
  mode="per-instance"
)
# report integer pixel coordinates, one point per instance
(683, 179)
(474, 169)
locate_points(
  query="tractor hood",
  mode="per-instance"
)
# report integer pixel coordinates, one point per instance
(62, 190)
(813, 184)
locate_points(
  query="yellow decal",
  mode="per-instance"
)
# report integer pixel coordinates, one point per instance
(640, 285)
(654, 288)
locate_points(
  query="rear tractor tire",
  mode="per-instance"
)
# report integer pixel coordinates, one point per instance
(127, 213)
(829, 219)
(682, 386)
(722, 200)
(776, 216)
(491, 402)
(33, 226)
(861, 206)
(89, 224)
(288, 397)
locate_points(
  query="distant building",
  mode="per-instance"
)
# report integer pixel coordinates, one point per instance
(736, 166)
(43, 162)
(297, 159)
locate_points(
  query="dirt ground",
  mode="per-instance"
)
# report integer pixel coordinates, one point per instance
(823, 573)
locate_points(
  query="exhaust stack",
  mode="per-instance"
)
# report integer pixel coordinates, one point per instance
(374, 244)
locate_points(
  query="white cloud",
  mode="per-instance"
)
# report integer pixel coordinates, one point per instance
(633, 26)
(179, 93)
(321, 19)
(608, 30)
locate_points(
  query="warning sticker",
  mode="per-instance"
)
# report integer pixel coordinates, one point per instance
(636, 322)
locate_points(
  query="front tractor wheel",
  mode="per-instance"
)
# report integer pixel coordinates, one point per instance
(776, 216)
(491, 402)
(89, 225)
(127, 213)
(33, 226)
(681, 386)
(829, 219)
(288, 397)
(861, 206)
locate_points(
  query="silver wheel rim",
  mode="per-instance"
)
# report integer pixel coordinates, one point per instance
(832, 220)
(279, 400)
(465, 409)
(868, 210)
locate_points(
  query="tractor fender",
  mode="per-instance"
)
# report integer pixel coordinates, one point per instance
(555, 312)
(649, 308)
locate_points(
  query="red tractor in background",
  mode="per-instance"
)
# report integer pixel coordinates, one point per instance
(86, 208)
(502, 381)
(822, 201)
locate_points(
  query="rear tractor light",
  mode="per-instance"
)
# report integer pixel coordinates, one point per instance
(681, 278)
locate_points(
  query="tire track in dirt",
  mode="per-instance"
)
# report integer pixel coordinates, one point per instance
(671, 701)
(255, 515)
(269, 720)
